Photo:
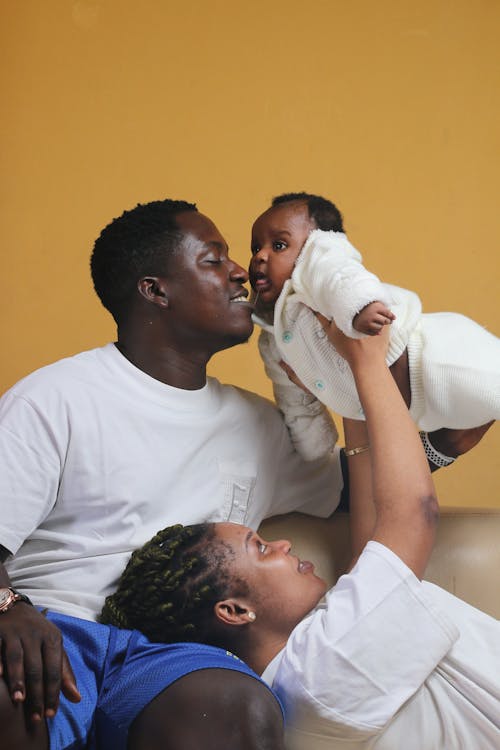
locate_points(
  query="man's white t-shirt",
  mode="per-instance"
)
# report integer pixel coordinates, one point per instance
(390, 662)
(96, 457)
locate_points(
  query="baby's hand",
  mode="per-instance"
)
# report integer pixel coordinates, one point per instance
(373, 318)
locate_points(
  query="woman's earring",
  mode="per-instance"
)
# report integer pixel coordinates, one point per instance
(252, 616)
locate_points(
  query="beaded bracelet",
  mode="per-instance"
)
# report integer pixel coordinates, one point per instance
(434, 456)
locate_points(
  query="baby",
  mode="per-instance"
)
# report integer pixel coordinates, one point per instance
(447, 367)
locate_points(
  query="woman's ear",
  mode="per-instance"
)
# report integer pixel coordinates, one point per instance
(234, 612)
(154, 289)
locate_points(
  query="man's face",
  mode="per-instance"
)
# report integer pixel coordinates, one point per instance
(278, 236)
(206, 297)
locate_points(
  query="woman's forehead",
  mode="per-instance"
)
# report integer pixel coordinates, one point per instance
(234, 533)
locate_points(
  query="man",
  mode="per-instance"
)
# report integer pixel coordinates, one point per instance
(101, 450)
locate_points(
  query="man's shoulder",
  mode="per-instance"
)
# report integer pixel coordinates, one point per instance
(68, 370)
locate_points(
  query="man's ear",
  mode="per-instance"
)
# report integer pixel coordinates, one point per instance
(154, 289)
(233, 612)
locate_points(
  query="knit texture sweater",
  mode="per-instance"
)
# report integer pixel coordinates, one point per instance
(450, 356)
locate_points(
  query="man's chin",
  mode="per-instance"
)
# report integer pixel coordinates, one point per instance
(235, 338)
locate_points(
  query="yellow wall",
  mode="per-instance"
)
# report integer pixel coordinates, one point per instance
(388, 108)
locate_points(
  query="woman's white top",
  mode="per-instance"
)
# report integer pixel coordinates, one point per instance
(390, 662)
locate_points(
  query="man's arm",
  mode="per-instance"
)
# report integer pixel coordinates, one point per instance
(32, 659)
(210, 709)
(33, 664)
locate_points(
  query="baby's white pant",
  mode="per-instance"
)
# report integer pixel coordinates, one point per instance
(454, 372)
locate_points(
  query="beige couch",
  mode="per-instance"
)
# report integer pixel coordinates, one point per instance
(465, 561)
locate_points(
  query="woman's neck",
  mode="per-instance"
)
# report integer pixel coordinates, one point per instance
(259, 655)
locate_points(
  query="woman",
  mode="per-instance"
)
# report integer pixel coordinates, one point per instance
(386, 655)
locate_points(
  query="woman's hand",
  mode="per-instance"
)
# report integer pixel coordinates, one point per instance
(353, 350)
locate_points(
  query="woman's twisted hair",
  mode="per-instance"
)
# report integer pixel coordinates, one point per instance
(170, 586)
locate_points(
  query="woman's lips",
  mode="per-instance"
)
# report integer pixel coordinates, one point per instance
(305, 566)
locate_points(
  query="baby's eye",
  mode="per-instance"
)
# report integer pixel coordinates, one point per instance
(262, 547)
(279, 245)
(254, 249)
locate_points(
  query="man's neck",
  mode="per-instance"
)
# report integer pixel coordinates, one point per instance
(166, 364)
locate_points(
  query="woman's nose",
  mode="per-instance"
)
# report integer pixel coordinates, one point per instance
(283, 545)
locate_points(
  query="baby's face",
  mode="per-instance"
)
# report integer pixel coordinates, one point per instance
(278, 236)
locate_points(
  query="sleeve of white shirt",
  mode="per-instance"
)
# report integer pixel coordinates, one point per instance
(329, 277)
(30, 469)
(349, 667)
(311, 427)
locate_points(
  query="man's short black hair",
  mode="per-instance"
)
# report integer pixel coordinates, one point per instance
(323, 212)
(134, 245)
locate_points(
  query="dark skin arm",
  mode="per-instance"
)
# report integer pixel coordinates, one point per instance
(455, 443)
(210, 709)
(34, 665)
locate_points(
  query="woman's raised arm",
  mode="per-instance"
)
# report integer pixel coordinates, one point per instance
(362, 514)
(406, 506)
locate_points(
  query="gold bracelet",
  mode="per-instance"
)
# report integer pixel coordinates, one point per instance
(355, 451)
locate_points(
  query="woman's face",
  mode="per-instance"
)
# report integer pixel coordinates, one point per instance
(283, 588)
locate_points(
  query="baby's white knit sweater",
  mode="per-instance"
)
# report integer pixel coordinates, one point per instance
(329, 277)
